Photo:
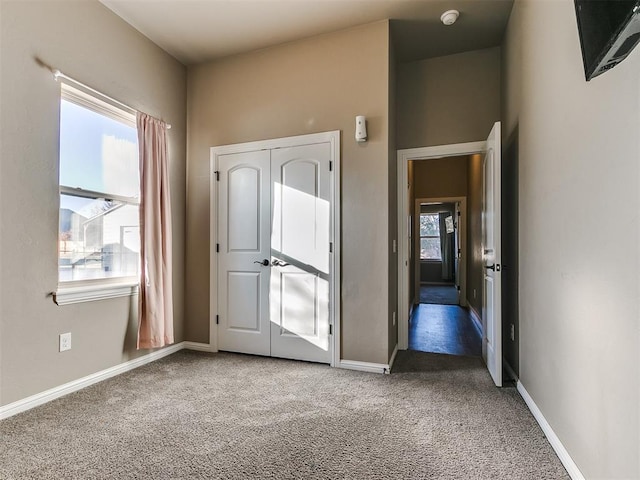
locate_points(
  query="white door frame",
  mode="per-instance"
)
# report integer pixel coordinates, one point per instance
(333, 138)
(463, 242)
(404, 156)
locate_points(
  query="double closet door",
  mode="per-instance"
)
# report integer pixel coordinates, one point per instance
(274, 242)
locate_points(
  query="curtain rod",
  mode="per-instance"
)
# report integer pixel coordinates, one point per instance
(57, 74)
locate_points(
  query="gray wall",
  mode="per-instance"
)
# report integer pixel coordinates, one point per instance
(450, 99)
(312, 85)
(579, 177)
(475, 268)
(86, 41)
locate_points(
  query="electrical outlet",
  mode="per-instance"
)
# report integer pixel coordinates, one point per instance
(65, 341)
(394, 318)
(513, 332)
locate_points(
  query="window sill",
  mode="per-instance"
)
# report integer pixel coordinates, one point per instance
(68, 295)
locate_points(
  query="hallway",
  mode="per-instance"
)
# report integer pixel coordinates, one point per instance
(446, 329)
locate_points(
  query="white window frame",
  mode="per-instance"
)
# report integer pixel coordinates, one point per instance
(77, 291)
(429, 236)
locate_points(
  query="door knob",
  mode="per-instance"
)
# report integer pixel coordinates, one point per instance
(490, 267)
(278, 263)
(264, 263)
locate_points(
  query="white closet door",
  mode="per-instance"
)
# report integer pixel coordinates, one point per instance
(244, 207)
(300, 256)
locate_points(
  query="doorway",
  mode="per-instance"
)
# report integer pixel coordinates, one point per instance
(440, 321)
(439, 251)
(489, 255)
(275, 249)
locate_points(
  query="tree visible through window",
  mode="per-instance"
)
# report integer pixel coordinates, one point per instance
(430, 237)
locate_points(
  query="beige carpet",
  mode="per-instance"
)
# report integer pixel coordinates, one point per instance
(230, 416)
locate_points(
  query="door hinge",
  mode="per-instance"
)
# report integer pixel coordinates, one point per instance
(330, 165)
(459, 213)
(217, 248)
(217, 174)
(330, 329)
(330, 247)
(217, 319)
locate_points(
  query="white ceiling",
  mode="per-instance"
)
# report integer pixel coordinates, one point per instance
(196, 31)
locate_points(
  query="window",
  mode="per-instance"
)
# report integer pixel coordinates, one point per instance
(430, 237)
(99, 190)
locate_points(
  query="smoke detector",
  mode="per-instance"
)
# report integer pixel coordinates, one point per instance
(449, 17)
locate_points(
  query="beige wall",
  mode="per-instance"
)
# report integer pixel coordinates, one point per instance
(88, 42)
(450, 99)
(393, 201)
(579, 178)
(313, 85)
(442, 177)
(475, 270)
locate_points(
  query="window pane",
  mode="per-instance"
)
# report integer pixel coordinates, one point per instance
(98, 239)
(430, 249)
(429, 224)
(97, 152)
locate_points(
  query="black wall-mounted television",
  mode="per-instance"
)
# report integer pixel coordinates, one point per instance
(609, 30)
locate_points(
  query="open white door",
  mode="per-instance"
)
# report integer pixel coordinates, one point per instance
(492, 258)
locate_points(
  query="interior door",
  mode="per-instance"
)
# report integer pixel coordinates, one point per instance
(244, 230)
(492, 258)
(274, 252)
(300, 252)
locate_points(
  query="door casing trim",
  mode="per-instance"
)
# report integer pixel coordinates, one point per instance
(332, 137)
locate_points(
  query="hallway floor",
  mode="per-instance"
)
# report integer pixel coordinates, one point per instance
(439, 294)
(445, 329)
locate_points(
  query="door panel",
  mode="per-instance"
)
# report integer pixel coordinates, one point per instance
(243, 282)
(491, 223)
(300, 182)
(243, 300)
(300, 315)
(244, 197)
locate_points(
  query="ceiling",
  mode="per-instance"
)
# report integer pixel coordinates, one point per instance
(196, 31)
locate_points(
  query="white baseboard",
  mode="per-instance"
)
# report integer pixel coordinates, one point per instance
(41, 398)
(475, 316)
(393, 358)
(199, 347)
(364, 366)
(555, 442)
(62, 390)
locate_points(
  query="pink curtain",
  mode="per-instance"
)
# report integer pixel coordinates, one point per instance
(155, 304)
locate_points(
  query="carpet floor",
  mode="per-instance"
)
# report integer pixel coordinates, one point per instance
(439, 294)
(229, 416)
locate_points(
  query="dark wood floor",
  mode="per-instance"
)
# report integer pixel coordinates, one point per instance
(444, 329)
